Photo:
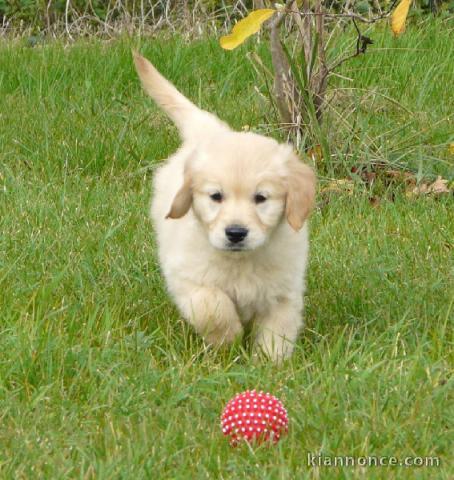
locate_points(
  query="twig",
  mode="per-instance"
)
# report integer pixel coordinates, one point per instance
(66, 20)
(361, 45)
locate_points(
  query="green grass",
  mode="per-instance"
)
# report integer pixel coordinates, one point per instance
(394, 100)
(99, 378)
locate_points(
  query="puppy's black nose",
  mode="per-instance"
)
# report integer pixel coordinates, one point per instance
(236, 233)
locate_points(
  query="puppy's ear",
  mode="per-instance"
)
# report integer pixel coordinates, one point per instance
(183, 199)
(300, 192)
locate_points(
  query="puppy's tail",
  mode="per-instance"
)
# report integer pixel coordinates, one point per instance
(191, 121)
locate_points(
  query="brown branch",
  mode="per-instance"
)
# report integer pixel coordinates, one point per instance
(281, 73)
(319, 80)
(283, 83)
(306, 33)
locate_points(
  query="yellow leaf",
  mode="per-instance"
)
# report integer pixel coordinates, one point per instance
(399, 17)
(246, 27)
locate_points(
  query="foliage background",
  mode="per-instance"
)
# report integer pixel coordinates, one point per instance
(50, 15)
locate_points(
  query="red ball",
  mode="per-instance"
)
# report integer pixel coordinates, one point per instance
(254, 417)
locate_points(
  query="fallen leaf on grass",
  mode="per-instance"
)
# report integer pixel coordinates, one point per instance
(369, 177)
(387, 175)
(448, 246)
(374, 201)
(398, 174)
(334, 189)
(339, 186)
(451, 148)
(439, 186)
(315, 153)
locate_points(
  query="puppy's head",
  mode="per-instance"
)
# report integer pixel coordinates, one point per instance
(241, 186)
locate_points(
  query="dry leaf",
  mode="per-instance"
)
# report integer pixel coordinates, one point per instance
(397, 174)
(246, 27)
(385, 174)
(368, 177)
(315, 153)
(401, 176)
(374, 201)
(439, 186)
(339, 186)
(399, 17)
(451, 148)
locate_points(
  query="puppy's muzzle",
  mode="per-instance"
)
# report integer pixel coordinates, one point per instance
(236, 233)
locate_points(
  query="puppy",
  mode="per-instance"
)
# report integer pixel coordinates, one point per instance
(230, 211)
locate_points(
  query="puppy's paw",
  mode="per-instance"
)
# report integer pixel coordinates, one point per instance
(278, 331)
(223, 333)
(213, 315)
(272, 348)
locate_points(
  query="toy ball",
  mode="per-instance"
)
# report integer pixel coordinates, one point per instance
(254, 417)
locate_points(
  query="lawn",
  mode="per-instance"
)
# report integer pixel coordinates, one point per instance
(100, 378)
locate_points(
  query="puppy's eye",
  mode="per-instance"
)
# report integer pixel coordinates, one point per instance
(216, 197)
(259, 198)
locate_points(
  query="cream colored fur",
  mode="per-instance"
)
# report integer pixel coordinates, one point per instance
(217, 285)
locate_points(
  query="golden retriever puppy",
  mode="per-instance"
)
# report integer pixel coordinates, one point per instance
(230, 210)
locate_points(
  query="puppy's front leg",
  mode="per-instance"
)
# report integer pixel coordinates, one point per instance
(277, 330)
(211, 312)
